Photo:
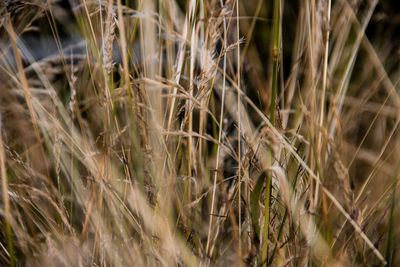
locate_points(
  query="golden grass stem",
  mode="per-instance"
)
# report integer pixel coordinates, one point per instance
(239, 172)
(221, 121)
(6, 201)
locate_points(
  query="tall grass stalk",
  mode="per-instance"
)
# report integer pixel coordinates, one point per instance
(239, 137)
(4, 185)
(221, 124)
(274, 86)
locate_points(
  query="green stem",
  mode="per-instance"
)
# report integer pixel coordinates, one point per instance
(275, 69)
(266, 219)
(275, 61)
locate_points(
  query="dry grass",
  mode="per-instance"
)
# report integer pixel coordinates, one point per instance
(187, 133)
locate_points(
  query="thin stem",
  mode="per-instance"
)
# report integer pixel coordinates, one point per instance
(6, 202)
(239, 132)
(221, 121)
(322, 103)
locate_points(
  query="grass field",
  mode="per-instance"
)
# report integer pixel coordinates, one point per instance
(199, 133)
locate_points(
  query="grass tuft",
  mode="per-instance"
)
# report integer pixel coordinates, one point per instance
(199, 133)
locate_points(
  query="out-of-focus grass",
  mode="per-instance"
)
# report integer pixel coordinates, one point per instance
(186, 133)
